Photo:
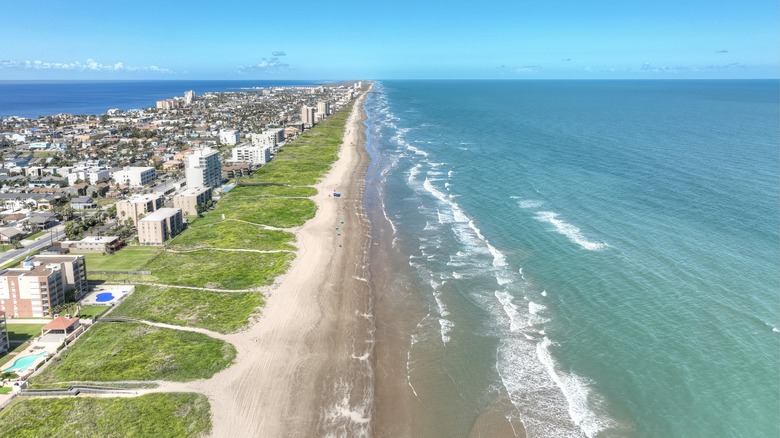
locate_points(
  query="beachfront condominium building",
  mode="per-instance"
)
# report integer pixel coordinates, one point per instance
(189, 97)
(307, 116)
(254, 155)
(269, 137)
(192, 201)
(169, 104)
(160, 226)
(31, 291)
(135, 176)
(73, 267)
(138, 206)
(203, 168)
(229, 136)
(5, 344)
(323, 107)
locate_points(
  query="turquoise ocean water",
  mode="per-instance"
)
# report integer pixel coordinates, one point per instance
(603, 255)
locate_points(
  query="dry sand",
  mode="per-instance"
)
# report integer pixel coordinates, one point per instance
(303, 368)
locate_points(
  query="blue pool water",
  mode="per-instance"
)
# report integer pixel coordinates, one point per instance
(24, 362)
(104, 297)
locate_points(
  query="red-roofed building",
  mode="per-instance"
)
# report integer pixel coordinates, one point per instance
(62, 325)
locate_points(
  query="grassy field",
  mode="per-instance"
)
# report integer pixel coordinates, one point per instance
(134, 351)
(234, 235)
(131, 258)
(223, 312)
(275, 212)
(92, 311)
(219, 269)
(153, 415)
(23, 332)
(272, 191)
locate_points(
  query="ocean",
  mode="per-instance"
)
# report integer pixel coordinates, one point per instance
(32, 99)
(576, 258)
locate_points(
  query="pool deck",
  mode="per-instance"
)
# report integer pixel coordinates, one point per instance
(120, 291)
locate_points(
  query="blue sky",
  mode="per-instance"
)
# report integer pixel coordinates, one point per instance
(544, 39)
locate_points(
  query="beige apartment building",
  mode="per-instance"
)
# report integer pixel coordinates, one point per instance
(74, 270)
(157, 227)
(138, 206)
(189, 200)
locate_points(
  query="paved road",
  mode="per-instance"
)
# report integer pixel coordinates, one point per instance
(52, 235)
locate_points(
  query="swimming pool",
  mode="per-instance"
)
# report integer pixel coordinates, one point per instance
(104, 297)
(24, 363)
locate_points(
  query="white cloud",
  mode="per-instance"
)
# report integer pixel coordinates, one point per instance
(265, 65)
(89, 65)
(529, 69)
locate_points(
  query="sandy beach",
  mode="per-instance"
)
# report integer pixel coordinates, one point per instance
(293, 360)
(303, 368)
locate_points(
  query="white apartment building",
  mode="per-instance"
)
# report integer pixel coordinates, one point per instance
(254, 155)
(323, 107)
(91, 175)
(135, 176)
(229, 136)
(189, 97)
(307, 116)
(160, 226)
(203, 168)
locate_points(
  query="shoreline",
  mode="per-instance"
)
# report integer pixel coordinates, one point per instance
(303, 356)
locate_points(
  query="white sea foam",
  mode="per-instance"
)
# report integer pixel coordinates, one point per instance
(345, 418)
(413, 172)
(446, 328)
(578, 394)
(544, 293)
(457, 275)
(530, 203)
(417, 151)
(534, 308)
(573, 233)
(516, 321)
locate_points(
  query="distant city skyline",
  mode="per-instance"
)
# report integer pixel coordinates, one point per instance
(404, 40)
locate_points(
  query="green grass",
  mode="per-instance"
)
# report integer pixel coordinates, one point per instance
(232, 234)
(36, 235)
(133, 351)
(23, 332)
(271, 191)
(275, 212)
(305, 161)
(180, 415)
(218, 269)
(131, 258)
(92, 311)
(223, 312)
(5, 390)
